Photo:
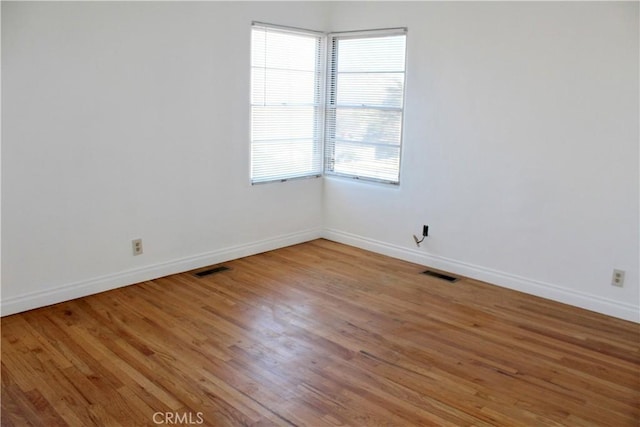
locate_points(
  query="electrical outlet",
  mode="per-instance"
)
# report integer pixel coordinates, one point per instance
(136, 245)
(618, 278)
(425, 233)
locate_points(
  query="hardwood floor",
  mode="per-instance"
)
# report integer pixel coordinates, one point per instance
(318, 334)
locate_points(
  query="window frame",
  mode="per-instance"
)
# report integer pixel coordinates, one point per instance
(324, 102)
(319, 106)
(331, 104)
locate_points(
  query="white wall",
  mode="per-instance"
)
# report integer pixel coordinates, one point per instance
(520, 148)
(126, 120)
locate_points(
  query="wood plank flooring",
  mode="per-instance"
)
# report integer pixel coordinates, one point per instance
(318, 334)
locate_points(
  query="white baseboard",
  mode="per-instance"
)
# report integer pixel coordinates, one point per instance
(545, 290)
(117, 280)
(112, 281)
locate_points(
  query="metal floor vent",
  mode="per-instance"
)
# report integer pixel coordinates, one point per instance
(441, 276)
(210, 271)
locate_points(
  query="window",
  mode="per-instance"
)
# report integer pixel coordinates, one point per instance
(365, 96)
(286, 103)
(358, 119)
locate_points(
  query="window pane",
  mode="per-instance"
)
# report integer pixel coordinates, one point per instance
(375, 89)
(372, 54)
(283, 159)
(368, 125)
(290, 51)
(378, 162)
(284, 86)
(273, 123)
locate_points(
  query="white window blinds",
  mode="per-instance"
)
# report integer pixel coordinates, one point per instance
(286, 103)
(365, 96)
